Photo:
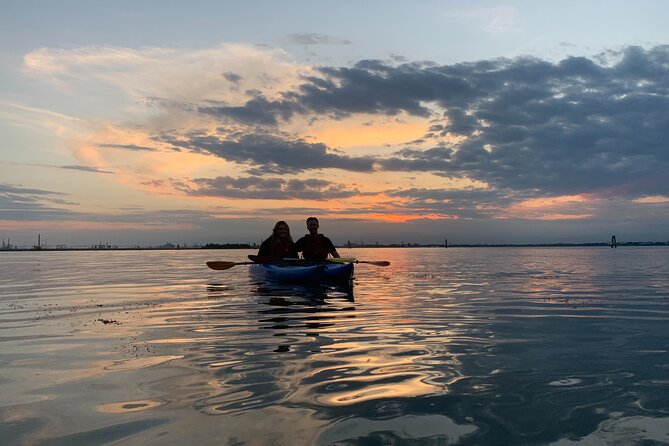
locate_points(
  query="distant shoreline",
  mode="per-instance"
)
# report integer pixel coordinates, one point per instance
(391, 245)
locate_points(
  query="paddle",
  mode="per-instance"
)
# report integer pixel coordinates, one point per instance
(220, 265)
(353, 260)
(329, 259)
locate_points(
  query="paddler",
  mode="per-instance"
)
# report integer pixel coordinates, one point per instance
(315, 246)
(279, 245)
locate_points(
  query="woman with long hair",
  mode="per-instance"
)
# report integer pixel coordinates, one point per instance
(280, 244)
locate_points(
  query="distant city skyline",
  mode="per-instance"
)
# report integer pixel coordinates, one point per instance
(103, 246)
(205, 122)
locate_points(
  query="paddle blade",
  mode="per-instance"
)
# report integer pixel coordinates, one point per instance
(220, 265)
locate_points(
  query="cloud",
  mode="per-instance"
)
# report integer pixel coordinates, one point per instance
(267, 188)
(175, 74)
(20, 191)
(79, 167)
(258, 110)
(314, 39)
(18, 203)
(85, 169)
(566, 128)
(524, 124)
(495, 20)
(369, 87)
(41, 111)
(232, 77)
(453, 203)
(132, 147)
(21, 203)
(268, 153)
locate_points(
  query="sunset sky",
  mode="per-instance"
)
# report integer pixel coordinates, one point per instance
(146, 122)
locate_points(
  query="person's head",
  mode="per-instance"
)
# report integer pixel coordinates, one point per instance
(312, 225)
(281, 230)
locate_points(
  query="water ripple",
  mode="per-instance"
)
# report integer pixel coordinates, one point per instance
(477, 346)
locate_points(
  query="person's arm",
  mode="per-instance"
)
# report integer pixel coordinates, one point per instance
(332, 249)
(299, 245)
(264, 249)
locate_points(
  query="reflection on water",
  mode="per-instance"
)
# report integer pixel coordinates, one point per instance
(466, 346)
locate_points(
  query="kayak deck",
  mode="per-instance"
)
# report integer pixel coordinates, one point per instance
(304, 271)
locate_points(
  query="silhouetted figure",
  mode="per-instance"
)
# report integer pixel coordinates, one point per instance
(278, 245)
(445, 243)
(614, 243)
(315, 246)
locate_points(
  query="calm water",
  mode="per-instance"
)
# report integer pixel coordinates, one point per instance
(445, 346)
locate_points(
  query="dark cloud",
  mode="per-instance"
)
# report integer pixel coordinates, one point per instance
(269, 153)
(257, 110)
(268, 188)
(463, 203)
(129, 147)
(85, 169)
(580, 125)
(315, 39)
(152, 101)
(27, 204)
(232, 77)
(20, 191)
(434, 159)
(529, 125)
(20, 203)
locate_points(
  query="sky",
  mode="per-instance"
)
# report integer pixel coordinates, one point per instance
(147, 122)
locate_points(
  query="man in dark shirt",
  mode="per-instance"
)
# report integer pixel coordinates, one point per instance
(315, 246)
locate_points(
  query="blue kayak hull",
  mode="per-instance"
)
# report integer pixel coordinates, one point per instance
(307, 272)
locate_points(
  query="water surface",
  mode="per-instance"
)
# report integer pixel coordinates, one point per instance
(445, 346)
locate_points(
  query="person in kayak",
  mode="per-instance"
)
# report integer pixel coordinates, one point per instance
(315, 246)
(279, 245)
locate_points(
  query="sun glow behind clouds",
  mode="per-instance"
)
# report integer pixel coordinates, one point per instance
(653, 199)
(564, 207)
(368, 134)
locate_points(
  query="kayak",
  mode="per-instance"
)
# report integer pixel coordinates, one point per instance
(303, 271)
